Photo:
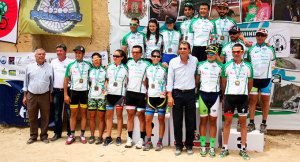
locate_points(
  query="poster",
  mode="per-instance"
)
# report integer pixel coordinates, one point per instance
(161, 9)
(134, 9)
(287, 10)
(9, 11)
(234, 10)
(196, 4)
(257, 10)
(60, 17)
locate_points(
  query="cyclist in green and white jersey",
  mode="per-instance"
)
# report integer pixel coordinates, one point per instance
(237, 79)
(208, 76)
(262, 58)
(154, 41)
(171, 40)
(117, 76)
(96, 98)
(133, 38)
(136, 95)
(201, 31)
(226, 54)
(156, 77)
(77, 72)
(185, 25)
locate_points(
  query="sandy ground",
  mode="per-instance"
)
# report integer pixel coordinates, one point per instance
(284, 147)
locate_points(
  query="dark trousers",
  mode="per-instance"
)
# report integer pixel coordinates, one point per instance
(187, 100)
(59, 104)
(36, 102)
(199, 52)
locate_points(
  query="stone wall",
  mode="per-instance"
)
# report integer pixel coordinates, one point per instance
(98, 42)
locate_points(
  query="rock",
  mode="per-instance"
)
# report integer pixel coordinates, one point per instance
(101, 155)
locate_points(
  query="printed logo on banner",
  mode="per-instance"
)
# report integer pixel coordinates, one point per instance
(4, 72)
(56, 16)
(134, 8)
(11, 60)
(8, 16)
(278, 42)
(12, 72)
(3, 60)
(21, 72)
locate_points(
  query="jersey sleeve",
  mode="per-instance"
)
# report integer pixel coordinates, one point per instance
(124, 40)
(224, 74)
(198, 69)
(214, 29)
(273, 54)
(68, 72)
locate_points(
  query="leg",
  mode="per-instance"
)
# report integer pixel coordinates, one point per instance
(74, 112)
(109, 121)
(130, 119)
(83, 109)
(149, 119)
(58, 102)
(141, 116)
(226, 130)
(243, 123)
(32, 108)
(119, 112)
(67, 106)
(161, 120)
(202, 126)
(212, 126)
(177, 112)
(266, 107)
(44, 105)
(252, 105)
(190, 118)
(93, 114)
(101, 116)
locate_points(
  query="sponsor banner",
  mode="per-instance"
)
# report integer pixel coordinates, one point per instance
(59, 17)
(9, 11)
(12, 65)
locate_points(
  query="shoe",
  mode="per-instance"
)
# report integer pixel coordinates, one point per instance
(129, 143)
(82, 139)
(91, 140)
(30, 141)
(263, 128)
(148, 146)
(251, 127)
(177, 151)
(118, 141)
(189, 151)
(46, 141)
(108, 140)
(244, 154)
(203, 151)
(159, 146)
(238, 127)
(99, 141)
(139, 144)
(224, 153)
(55, 137)
(211, 152)
(70, 140)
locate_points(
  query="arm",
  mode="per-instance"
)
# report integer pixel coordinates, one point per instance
(25, 88)
(223, 85)
(170, 84)
(242, 38)
(197, 80)
(124, 48)
(250, 85)
(221, 59)
(66, 96)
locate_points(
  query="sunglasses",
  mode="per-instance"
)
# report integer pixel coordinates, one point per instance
(210, 53)
(233, 33)
(260, 35)
(237, 52)
(133, 24)
(223, 4)
(116, 56)
(188, 4)
(98, 59)
(155, 56)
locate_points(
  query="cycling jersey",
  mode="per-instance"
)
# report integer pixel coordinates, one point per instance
(137, 75)
(227, 50)
(157, 78)
(223, 25)
(131, 39)
(237, 77)
(201, 31)
(97, 78)
(77, 71)
(171, 40)
(151, 44)
(185, 28)
(261, 58)
(117, 78)
(210, 73)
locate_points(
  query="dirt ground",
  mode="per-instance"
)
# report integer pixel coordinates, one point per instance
(278, 147)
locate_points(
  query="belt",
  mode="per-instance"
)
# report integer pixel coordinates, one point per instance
(58, 89)
(185, 90)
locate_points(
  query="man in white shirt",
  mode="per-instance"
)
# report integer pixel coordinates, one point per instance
(59, 66)
(181, 93)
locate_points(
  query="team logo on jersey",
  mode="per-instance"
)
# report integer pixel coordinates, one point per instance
(279, 42)
(134, 8)
(56, 16)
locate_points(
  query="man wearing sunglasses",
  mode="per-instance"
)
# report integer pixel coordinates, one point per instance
(226, 54)
(237, 79)
(181, 96)
(262, 58)
(133, 38)
(224, 24)
(185, 25)
(201, 31)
